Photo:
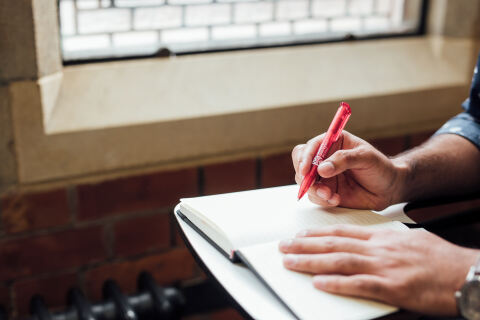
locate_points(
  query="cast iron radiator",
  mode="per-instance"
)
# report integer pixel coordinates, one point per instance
(150, 302)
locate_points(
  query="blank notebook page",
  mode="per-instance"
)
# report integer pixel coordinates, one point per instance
(265, 215)
(296, 290)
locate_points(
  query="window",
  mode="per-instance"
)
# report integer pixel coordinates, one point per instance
(98, 29)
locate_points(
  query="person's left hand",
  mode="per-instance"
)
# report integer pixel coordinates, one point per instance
(411, 269)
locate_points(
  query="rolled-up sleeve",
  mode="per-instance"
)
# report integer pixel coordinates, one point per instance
(464, 125)
(467, 124)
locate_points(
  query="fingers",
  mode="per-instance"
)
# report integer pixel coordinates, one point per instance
(302, 155)
(323, 196)
(296, 153)
(326, 244)
(353, 155)
(364, 286)
(339, 230)
(329, 263)
(342, 160)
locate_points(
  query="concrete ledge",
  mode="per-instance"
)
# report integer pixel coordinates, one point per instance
(196, 109)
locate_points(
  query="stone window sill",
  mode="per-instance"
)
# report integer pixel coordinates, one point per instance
(165, 113)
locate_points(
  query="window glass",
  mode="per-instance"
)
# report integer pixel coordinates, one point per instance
(97, 29)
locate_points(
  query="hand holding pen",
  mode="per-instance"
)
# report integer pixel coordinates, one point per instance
(353, 174)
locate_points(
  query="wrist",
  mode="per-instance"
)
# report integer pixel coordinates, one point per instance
(468, 291)
(403, 173)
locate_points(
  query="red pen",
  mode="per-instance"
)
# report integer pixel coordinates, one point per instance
(333, 132)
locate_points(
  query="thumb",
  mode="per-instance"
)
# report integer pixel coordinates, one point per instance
(343, 160)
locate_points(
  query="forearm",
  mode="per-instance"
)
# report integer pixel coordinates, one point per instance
(445, 165)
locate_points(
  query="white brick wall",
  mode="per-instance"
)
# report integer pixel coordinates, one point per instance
(233, 32)
(310, 26)
(253, 12)
(360, 7)
(129, 39)
(138, 3)
(96, 27)
(273, 29)
(348, 24)
(329, 8)
(185, 35)
(67, 27)
(292, 9)
(105, 20)
(207, 14)
(99, 41)
(157, 18)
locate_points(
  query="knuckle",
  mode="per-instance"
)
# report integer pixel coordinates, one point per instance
(298, 180)
(297, 149)
(364, 285)
(337, 230)
(360, 284)
(329, 245)
(341, 262)
(308, 263)
(398, 290)
(316, 200)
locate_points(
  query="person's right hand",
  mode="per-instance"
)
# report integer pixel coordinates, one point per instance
(355, 175)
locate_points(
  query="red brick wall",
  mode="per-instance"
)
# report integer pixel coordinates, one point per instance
(83, 234)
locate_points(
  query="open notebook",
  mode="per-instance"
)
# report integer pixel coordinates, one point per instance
(247, 226)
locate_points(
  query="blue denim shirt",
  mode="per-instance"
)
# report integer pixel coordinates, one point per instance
(467, 124)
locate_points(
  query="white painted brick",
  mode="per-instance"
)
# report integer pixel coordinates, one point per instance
(87, 4)
(207, 14)
(292, 9)
(157, 18)
(329, 8)
(377, 23)
(233, 32)
(360, 7)
(238, 1)
(253, 12)
(104, 20)
(176, 2)
(67, 17)
(185, 35)
(138, 3)
(310, 26)
(91, 42)
(275, 29)
(132, 39)
(383, 6)
(348, 24)
(105, 3)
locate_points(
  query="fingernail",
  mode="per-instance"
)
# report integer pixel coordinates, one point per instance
(301, 165)
(290, 260)
(332, 201)
(285, 244)
(321, 194)
(326, 167)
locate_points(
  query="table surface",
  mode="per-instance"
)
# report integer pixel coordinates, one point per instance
(242, 285)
